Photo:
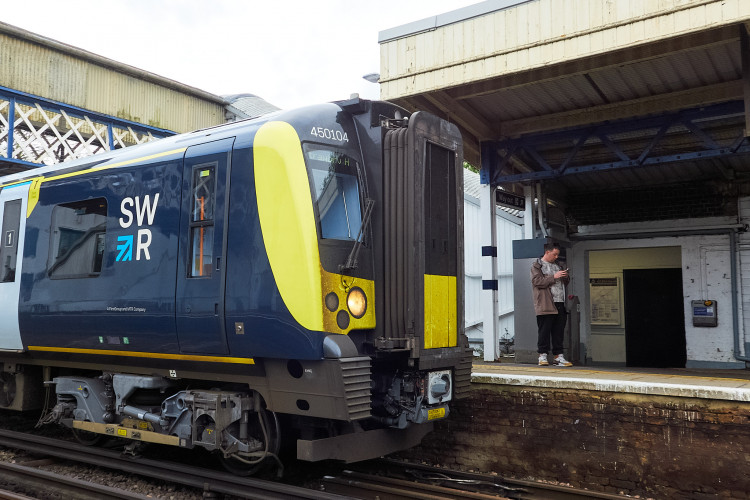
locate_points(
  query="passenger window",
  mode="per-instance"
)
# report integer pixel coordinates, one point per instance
(202, 220)
(77, 239)
(9, 248)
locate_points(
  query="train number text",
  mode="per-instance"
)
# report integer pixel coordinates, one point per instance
(328, 133)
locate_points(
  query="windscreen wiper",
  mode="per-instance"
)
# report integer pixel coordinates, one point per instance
(351, 260)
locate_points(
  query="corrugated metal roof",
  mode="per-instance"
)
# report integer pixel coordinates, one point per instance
(621, 83)
(44, 44)
(251, 105)
(472, 185)
(44, 67)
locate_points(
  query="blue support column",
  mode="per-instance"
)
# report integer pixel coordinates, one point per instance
(111, 136)
(489, 162)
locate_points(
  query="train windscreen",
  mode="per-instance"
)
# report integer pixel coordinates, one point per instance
(336, 190)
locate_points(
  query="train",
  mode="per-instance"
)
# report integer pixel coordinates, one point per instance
(289, 280)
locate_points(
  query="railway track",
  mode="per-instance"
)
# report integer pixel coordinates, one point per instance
(37, 480)
(209, 481)
(398, 480)
(380, 479)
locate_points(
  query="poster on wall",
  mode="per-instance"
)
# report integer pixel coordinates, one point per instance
(605, 301)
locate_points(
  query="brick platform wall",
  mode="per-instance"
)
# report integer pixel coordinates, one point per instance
(641, 445)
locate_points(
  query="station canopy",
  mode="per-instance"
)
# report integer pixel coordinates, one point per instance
(591, 97)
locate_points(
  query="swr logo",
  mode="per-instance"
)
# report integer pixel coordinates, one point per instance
(145, 211)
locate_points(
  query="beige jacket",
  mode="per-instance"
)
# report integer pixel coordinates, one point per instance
(540, 286)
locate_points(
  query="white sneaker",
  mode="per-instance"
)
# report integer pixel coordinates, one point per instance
(560, 361)
(543, 360)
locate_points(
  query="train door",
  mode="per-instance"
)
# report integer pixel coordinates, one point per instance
(202, 257)
(13, 219)
(440, 251)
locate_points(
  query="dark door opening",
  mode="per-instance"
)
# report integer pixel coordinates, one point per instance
(654, 318)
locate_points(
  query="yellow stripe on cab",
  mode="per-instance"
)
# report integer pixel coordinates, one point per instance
(440, 311)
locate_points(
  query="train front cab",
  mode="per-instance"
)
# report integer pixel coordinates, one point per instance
(419, 356)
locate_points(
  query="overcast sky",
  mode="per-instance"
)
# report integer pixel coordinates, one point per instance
(289, 52)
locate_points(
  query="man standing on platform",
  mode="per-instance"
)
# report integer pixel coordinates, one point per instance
(548, 281)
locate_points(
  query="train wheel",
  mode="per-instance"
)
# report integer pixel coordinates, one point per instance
(264, 427)
(240, 467)
(87, 438)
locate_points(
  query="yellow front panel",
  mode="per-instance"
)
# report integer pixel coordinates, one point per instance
(440, 311)
(287, 220)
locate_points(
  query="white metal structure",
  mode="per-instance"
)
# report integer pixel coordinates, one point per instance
(483, 307)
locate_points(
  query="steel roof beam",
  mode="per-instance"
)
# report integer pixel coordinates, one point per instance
(623, 110)
(542, 175)
(686, 122)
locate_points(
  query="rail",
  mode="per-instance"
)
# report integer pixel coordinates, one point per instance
(203, 479)
(398, 480)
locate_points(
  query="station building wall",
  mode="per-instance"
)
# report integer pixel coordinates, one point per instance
(706, 274)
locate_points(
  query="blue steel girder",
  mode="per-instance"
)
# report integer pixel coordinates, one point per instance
(558, 153)
(38, 131)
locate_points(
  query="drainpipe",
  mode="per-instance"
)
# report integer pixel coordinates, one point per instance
(735, 313)
(539, 210)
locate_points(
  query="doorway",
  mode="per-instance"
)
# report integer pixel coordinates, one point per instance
(654, 318)
(202, 261)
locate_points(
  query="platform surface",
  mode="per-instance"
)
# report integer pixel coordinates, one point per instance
(730, 385)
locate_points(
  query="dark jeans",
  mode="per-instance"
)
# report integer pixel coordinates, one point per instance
(552, 325)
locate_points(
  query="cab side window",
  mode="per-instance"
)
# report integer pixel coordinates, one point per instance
(202, 220)
(77, 239)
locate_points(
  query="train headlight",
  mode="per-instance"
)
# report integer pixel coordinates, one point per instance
(356, 302)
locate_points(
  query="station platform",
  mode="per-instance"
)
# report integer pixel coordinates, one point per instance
(647, 432)
(728, 385)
